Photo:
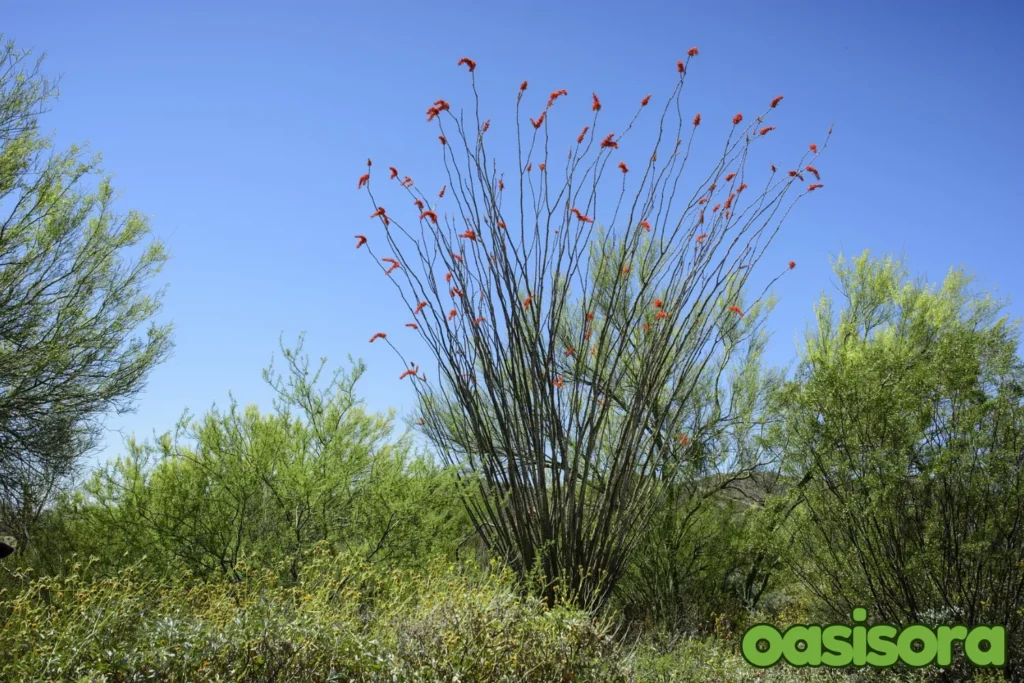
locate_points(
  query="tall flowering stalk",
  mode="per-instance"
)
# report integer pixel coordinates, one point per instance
(572, 329)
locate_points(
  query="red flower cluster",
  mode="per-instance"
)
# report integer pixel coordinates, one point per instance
(363, 179)
(696, 119)
(429, 214)
(468, 62)
(596, 106)
(608, 142)
(361, 242)
(579, 140)
(555, 95)
(776, 101)
(736, 119)
(814, 186)
(766, 130)
(379, 335)
(540, 120)
(579, 214)
(623, 167)
(644, 101)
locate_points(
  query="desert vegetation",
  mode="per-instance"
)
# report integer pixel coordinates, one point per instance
(603, 478)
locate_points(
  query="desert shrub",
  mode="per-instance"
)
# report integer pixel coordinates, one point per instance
(343, 620)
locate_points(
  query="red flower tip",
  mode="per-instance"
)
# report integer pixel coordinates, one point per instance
(529, 166)
(776, 101)
(730, 176)
(645, 225)
(773, 168)
(379, 335)
(468, 235)
(625, 269)
(579, 140)
(715, 208)
(501, 184)
(455, 292)
(432, 112)
(447, 277)
(456, 257)
(378, 212)
(696, 119)
(596, 106)
(608, 142)
(814, 186)
(443, 140)
(661, 315)
(590, 316)
(658, 303)
(684, 440)
(692, 52)
(477, 321)
(419, 307)
(540, 120)
(487, 124)
(736, 119)
(766, 130)
(737, 310)
(407, 182)
(419, 204)
(468, 62)
(558, 382)
(442, 105)
(811, 169)
(647, 328)
(429, 214)
(644, 101)
(363, 179)
(441, 193)
(555, 95)
(741, 188)
(814, 148)
(680, 67)
(522, 86)
(452, 313)
(413, 326)
(579, 214)
(361, 242)
(369, 162)
(623, 167)
(702, 200)
(569, 351)
(394, 172)
(792, 265)
(501, 224)
(701, 237)
(527, 301)
(542, 166)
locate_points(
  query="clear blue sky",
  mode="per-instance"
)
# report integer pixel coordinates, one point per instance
(241, 129)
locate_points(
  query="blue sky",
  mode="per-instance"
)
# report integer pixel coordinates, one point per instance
(241, 128)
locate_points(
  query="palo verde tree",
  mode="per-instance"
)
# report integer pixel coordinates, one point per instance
(569, 355)
(905, 426)
(73, 296)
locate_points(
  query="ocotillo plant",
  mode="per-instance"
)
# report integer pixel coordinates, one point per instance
(568, 355)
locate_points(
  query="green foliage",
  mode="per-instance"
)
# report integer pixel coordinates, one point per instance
(904, 428)
(73, 295)
(240, 484)
(343, 620)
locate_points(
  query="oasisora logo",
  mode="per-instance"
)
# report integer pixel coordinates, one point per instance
(881, 645)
